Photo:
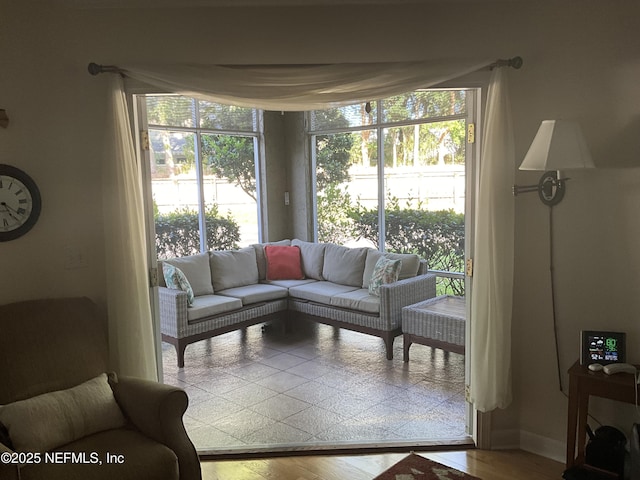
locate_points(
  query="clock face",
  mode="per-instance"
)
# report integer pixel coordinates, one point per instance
(19, 203)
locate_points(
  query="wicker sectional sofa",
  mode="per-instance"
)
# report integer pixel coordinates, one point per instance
(233, 289)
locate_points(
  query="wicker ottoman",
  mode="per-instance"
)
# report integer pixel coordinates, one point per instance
(438, 322)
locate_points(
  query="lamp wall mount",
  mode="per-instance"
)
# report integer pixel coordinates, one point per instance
(550, 188)
(4, 118)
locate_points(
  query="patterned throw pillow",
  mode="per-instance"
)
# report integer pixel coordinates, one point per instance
(385, 271)
(174, 278)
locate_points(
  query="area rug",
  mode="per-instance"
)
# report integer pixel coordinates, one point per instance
(415, 467)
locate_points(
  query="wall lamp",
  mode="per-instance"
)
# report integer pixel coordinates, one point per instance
(558, 145)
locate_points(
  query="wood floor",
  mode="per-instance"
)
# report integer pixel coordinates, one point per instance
(487, 465)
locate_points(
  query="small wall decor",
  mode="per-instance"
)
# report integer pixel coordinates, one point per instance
(20, 203)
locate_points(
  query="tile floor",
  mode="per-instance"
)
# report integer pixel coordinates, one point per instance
(315, 387)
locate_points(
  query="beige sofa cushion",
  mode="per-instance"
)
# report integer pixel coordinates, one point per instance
(410, 264)
(369, 264)
(289, 283)
(320, 292)
(233, 268)
(255, 293)
(312, 255)
(344, 265)
(196, 269)
(53, 419)
(152, 459)
(359, 299)
(207, 305)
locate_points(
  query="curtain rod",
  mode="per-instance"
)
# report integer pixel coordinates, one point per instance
(515, 62)
(95, 69)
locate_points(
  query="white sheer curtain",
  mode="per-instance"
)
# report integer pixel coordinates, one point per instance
(312, 87)
(131, 338)
(300, 88)
(491, 301)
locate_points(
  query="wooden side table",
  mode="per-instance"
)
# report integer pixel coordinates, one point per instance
(583, 383)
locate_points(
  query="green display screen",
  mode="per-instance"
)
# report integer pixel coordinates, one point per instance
(603, 347)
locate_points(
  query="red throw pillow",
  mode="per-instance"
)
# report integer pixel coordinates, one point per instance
(283, 263)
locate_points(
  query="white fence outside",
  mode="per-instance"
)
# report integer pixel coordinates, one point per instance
(438, 187)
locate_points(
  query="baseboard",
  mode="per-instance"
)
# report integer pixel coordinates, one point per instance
(505, 439)
(530, 442)
(546, 447)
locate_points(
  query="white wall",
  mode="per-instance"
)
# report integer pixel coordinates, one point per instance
(582, 61)
(580, 65)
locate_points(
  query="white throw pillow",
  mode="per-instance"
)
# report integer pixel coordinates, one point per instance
(51, 420)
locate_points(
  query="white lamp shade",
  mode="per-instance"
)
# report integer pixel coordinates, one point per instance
(558, 145)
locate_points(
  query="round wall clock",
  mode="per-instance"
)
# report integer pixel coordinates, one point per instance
(20, 203)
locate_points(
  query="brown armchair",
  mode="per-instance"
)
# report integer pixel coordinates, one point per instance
(52, 352)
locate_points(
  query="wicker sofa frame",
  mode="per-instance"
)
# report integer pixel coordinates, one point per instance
(388, 324)
(177, 331)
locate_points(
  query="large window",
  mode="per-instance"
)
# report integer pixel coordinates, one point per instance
(203, 159)
(391, 174)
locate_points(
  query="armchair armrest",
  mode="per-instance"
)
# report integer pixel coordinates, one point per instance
(8, 471)
(156, 410)
(394, 296)
(173, 312)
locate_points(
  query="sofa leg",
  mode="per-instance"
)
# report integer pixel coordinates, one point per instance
(406, 343)
(388, 343)
(180, 348)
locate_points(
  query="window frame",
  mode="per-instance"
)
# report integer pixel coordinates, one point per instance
(470, 115)
(143, 125)
(473, 116)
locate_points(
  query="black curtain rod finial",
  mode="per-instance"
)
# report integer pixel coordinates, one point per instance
(516, 62)
(95, 69)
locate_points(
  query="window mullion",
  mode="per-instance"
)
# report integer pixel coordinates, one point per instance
(257, 155)
(381, 191)
(202, 222)
(202, 209)
(314, 186)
